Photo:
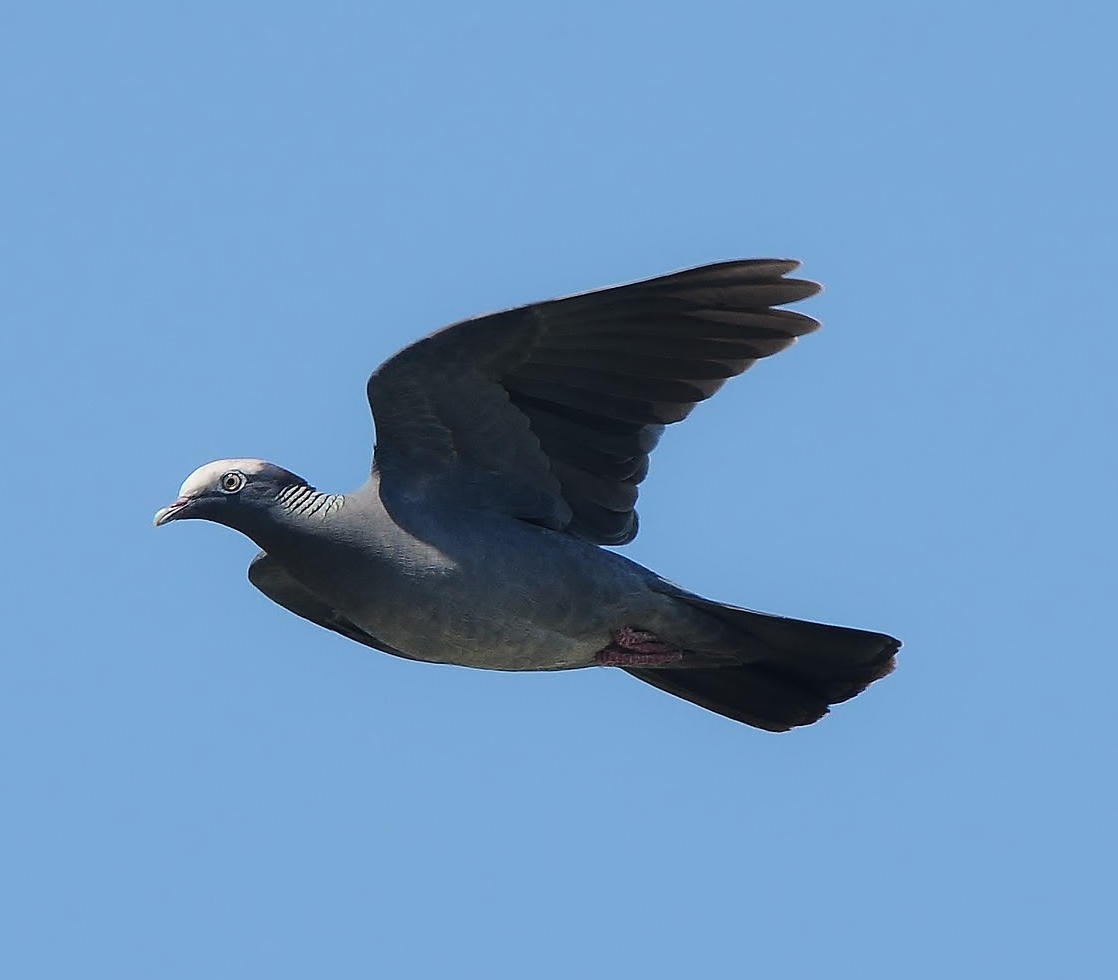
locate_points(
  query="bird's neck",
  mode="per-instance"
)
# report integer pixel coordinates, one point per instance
(298, 514)
(302, 503)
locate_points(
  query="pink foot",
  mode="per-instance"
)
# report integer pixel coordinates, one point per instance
(637, 648)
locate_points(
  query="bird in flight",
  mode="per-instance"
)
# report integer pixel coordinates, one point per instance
(509, 449)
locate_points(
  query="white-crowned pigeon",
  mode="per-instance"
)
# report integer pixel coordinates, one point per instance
(509, 448)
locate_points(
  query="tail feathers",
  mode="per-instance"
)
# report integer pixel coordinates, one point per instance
(794, 669)
(749, 694)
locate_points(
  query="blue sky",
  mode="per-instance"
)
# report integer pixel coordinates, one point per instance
(218, 218)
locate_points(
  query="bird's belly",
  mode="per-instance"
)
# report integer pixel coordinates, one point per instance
(549, 617)
(481, 632)
(518, 646)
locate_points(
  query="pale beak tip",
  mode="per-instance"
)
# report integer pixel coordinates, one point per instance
(165, 514)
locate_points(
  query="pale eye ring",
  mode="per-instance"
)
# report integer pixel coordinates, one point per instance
(232, 481)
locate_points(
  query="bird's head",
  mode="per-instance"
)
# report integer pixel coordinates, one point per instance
(230, 492)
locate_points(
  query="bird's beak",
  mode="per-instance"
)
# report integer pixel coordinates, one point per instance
(171, 511)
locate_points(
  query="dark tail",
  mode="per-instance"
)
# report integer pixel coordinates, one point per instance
(796, 669)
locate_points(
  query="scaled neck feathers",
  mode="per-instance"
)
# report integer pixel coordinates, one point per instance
(306, 501)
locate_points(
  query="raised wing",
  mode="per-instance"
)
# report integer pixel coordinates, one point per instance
(548, 412)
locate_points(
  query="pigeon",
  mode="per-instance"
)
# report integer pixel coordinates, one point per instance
(509, 449)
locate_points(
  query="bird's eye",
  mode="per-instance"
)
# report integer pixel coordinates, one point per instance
(232, 481)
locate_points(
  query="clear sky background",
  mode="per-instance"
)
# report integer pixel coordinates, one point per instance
(217, 218)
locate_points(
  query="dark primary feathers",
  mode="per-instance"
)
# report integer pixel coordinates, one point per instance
(549, 411)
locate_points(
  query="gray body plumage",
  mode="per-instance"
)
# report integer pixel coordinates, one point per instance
(415, 581)
(509, 448)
